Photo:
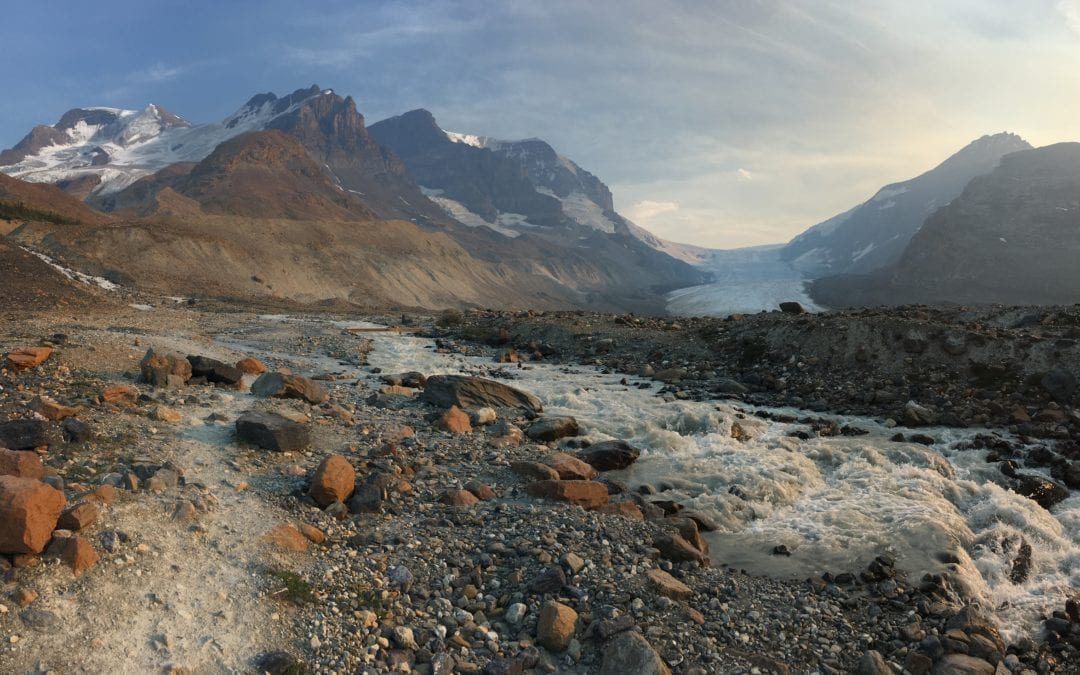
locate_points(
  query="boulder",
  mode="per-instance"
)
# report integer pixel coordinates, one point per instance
(872, 663)
(629, 652)
(27, 357)
(674, 547)
(283, 385)
(78, 517)
(455, 420)
(412, 380)
(23, 434)
(23, 464)
(120, 394)
(168, 415)
(272, 431)
(29, 510)
(78, 554)
(459, 498)
(555, 626)
(51, 410)
(534, 470)
(610, 455)
(1045, 491)
(465, 391)
(334, 481)
(251, 366)
(669, 586)
(161, 370)
(628, 510)
(287, 537)
(962, 664)
(569, 467)
(214, 371)
(792, 308)
(585, 493)
(548, 429)
(688, 529)
(76, 431)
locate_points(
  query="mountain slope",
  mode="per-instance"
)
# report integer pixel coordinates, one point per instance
(1012, 236)
(873, 234)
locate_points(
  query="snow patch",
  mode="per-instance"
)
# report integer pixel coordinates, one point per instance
(463, 215)
(74, 275)
(858, 255)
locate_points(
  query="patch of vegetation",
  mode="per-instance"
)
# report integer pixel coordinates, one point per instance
(449, 318)
(296, 589)
(20, 211)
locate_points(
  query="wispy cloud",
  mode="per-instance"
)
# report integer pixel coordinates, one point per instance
(156, 74)
(1070, 11)
(648, 209)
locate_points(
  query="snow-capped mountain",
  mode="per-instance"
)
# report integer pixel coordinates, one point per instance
(873, 234)
(115, 147)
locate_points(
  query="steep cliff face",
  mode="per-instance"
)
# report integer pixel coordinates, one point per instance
(1012, 236)
(875, 233)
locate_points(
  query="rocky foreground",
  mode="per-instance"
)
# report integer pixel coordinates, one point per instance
(187, 492)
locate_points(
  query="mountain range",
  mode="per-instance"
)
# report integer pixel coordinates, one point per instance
(461, 219)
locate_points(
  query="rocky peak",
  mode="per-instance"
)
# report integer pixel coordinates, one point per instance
(88, 116)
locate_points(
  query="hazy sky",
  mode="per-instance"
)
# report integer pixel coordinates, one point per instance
(724, 123)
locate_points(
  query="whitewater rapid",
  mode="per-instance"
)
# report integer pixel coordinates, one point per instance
(835, 502)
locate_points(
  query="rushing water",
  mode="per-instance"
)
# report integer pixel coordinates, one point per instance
(835, 502)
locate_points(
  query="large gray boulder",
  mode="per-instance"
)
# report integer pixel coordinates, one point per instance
(466, 392)
(271, 431)
(629, 652)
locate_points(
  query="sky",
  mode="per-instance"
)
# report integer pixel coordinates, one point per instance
(720, 123)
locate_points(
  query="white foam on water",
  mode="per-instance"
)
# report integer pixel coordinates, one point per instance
(835, 502)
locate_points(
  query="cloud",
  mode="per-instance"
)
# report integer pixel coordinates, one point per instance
(744, 175)
(156, 73)
(1070, 11)
(647, 208)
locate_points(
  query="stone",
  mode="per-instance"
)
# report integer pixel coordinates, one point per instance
(370, 495)
(1045, 491)
(458, 498)
(962, 664)
(515, 613)
(917, 663)
(792, 308)
(585, 493)
(334, 481)
(629, 652)
(23, 434)
(465, 391)
(24, 596)
(279, 663)
(674, 547)
(481, 491)
(120, 394)
(872, 663)
(550, 580)
(412, 380)
(184, 511)
(29, 510)
(271, 431)
(555, 626)
(156, 368)
(482, 417)
(548, 429)
(687, 528)
(455, 420)
(534, 470)
(628, 510)
(287, 537)
(395, 390)
(610, 455)
(79, 555)
(215, 372)
(312, 533)
(669, 586)
(51, 410)
(251, 366)
(25, 358)
(505, 434)
(168, 415)
(569, 467)
(20, 463)
(106, 494)
(76, 431)
(77, 517)
(284, 385)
